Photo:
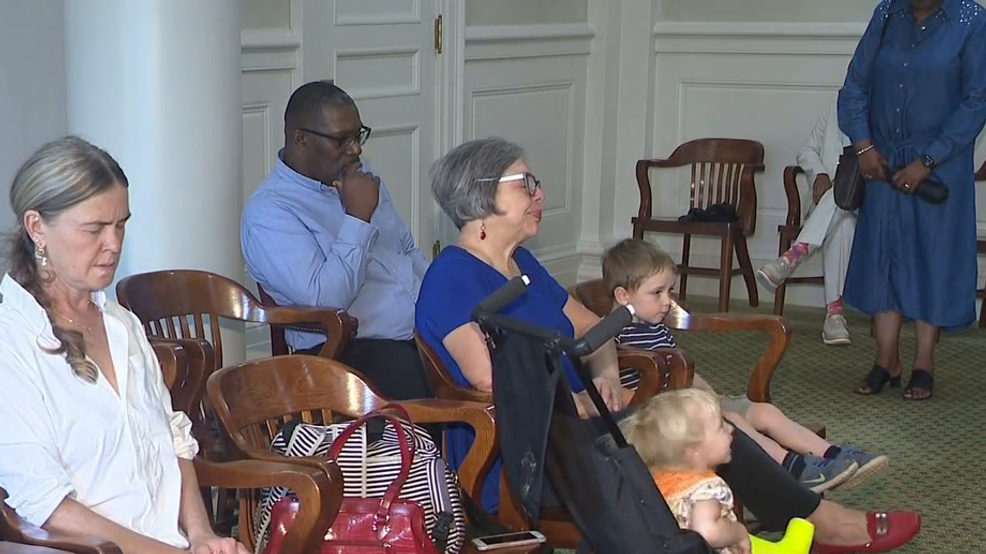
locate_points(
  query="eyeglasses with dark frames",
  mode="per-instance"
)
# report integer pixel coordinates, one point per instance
(530, 181)
(343, 143)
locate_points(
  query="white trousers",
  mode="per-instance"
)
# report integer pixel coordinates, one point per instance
(832, 228)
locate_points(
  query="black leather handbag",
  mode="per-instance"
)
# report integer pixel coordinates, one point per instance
(849, 184)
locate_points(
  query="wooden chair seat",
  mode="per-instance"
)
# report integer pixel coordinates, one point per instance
(722, 172)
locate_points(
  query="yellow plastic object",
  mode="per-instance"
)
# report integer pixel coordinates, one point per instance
(797, 539)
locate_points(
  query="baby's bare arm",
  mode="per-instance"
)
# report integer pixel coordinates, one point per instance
(717, 531)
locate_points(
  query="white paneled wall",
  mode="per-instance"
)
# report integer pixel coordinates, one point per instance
(528, 84)
(271, 70)
(765, 82)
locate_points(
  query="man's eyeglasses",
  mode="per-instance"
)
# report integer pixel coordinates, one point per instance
(530, 181)
(343, 143)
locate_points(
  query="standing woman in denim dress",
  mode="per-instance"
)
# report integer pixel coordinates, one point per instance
(914, 101)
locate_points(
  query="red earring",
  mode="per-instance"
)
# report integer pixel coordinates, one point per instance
(482, 231)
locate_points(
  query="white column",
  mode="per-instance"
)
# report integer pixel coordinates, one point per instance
(619, 110)
(157, 84)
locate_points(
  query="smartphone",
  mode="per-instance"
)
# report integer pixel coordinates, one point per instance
(507, 540)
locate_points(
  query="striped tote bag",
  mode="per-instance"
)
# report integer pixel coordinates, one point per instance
(369, 468)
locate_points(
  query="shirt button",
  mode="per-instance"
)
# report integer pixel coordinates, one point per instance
(913, 45)
(905, 64)
(923, 27)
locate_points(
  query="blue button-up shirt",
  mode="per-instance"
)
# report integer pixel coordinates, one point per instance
(302, 247)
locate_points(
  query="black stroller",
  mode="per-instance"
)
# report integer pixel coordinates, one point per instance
(590, 469)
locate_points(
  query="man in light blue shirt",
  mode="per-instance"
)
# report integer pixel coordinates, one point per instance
(322, 230)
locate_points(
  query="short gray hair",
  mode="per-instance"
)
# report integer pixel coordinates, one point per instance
(455, 178)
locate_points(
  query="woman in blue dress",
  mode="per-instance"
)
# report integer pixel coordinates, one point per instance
(913, 103)
(488, 191)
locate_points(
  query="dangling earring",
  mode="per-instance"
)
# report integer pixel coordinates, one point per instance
(482, 231)
(40, 255)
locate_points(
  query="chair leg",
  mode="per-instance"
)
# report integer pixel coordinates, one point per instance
(686, 247)
(982, 314)
(725, 272)
(746, 266)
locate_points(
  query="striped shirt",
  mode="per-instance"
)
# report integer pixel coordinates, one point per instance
(643, 336)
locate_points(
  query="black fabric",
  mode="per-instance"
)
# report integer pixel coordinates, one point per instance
(716, 213)
(607, 489)
(393, 366)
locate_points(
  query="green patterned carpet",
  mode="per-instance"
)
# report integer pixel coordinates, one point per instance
(936, 447)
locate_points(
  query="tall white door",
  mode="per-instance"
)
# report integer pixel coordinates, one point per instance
(382, 52)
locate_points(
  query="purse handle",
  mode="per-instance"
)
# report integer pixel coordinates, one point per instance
(382, 517)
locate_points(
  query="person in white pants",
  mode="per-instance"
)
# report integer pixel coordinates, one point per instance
(828, 227)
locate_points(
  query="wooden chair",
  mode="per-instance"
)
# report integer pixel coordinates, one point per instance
(789, 232)
(318, 487)
(279, 344)
(593, 295)
(671, 369)
(163, 298)
(722, 172)
(254, 399)
(14, 548)
(181, 303)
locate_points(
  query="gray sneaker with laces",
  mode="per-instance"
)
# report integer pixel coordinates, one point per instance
(870, 465)
(776, 272)
(821, 474)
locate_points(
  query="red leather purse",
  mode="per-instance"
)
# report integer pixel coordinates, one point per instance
(366, 525)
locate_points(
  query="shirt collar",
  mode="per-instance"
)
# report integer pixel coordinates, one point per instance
(949, 7)
(17, 298)
(293, 176)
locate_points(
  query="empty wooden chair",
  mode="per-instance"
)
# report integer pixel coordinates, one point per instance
(722, 172)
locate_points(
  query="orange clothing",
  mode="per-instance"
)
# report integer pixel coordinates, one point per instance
(683, 489)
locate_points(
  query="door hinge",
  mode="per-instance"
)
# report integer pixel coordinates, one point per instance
(439, 38)
(436, 249)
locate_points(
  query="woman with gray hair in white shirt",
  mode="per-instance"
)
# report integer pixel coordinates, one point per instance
(90, 444)
(828, 227)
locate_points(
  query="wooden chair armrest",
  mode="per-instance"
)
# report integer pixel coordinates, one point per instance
(14, 548)
(480, 417)
(335, 323)
(15, 529)
(659, 370)
(319, 491)
(777, 329)
(791, 173)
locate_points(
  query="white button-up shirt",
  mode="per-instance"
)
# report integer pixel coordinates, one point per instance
(64, 437)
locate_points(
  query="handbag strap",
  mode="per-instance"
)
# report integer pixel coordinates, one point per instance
(406, 446)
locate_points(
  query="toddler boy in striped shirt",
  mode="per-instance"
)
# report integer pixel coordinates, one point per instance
(640, 274)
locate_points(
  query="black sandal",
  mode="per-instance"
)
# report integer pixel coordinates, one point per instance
(921, 379)
(876, 379)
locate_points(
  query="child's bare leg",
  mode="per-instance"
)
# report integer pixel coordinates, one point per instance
(774, 450)
(769, 420)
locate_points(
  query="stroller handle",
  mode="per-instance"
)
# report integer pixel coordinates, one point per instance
(505, 294)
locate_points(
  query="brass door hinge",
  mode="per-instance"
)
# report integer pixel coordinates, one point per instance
(438, 34)
(436, 249)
